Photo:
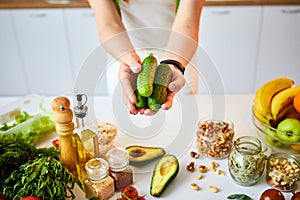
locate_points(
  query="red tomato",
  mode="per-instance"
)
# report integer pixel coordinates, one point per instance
(56, 143)
(129, 192)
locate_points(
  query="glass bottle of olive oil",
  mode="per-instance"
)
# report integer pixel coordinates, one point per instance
(85, 139)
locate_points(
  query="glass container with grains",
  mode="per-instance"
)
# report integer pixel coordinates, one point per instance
(98, 183)
(120, 170)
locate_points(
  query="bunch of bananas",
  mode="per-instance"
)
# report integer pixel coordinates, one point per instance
(273, 101)
(275, 106)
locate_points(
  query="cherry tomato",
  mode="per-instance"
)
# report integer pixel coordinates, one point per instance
(271, 194)
(129, 192)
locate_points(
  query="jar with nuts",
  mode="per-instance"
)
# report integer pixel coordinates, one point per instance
(282, 171)
(215, 138)
(246, 162)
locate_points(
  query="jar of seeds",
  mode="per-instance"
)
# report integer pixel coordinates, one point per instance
(246, 161)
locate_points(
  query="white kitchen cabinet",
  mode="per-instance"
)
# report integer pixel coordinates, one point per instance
(43, 46)
(229, 35)
(279, 50)
(83, 39)
(82, 34)
(12, 80)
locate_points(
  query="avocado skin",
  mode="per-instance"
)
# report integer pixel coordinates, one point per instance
(171, 177)
(141, 101)
(163, 77)
(146, 77)
(148, 154)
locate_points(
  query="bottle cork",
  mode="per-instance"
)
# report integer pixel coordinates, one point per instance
(63, 117)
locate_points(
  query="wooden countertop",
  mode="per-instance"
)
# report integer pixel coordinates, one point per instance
(19, 4)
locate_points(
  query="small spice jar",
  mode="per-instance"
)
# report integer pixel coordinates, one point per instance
(246, 161)
(98, 184)
(119, 168)
(215, 138)
(282, 171)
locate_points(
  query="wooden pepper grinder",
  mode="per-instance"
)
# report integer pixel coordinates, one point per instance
(63, 117)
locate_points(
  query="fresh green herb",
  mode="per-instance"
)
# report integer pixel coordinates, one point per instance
(44, 177)
(14, 153)
(239, 197)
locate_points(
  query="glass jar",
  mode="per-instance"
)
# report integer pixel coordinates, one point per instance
(215, 138)
(282, 171)
(296, 186)
(246, 161)
(119, 169)
(106, 136)
(98, 183)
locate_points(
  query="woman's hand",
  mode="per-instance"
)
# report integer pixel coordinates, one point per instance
(129, 68)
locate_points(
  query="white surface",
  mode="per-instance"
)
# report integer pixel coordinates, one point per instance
(279, 44)
(235, 107)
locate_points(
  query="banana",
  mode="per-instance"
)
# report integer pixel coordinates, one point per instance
(287, 112)
(283, 99)
(264, 95)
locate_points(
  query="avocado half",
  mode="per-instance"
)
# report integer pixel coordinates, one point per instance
(165, 171)
(140, 155)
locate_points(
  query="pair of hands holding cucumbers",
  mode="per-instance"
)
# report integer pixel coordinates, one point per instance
(129, 68)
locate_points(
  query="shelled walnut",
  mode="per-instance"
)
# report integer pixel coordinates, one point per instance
(215, 138)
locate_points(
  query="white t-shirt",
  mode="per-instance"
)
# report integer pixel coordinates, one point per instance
(148, 23)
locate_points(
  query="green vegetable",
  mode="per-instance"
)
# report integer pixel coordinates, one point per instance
(239, 197)
(45, 177)
(14, 153)
(163, 77)
(37, 128)
(141, 101)
(146, 77)
(18, 120)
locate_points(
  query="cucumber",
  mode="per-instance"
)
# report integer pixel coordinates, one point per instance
(141, 101)
(146, 77)
(163, 77)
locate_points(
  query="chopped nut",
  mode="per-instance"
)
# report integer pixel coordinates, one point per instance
(199, 176)
(213, 166)
(220, 172)
(191, 167)
(194, 154)
(202, 168)
(194, 186)
(213, 189)
(217, 147)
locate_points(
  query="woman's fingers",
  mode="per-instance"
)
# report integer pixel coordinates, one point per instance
(169, 102)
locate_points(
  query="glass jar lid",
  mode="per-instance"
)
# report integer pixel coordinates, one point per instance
(118, 158)
(97, 168)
